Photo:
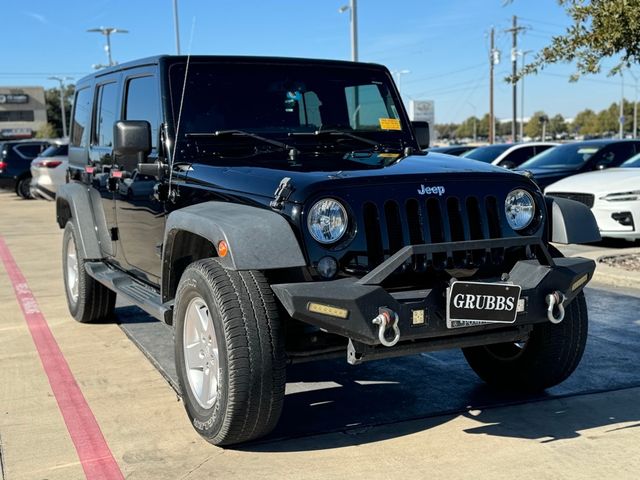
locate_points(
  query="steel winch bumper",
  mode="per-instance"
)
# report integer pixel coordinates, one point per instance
(348, 306)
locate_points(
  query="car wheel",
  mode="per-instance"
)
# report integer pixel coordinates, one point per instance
(23, 188)
(88, 300)
(548, 357)
(229, 352)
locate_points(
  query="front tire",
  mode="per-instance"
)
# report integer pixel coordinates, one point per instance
(88, 300)
(547, 358)
(229, 351)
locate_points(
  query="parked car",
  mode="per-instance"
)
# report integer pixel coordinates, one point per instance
(299, 220)
(455, 150)
(578, 157)
(612, 195)
(15, 164)
(508, 155)
(49, 171)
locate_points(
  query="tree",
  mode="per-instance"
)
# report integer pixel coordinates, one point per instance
(557, 125)
(465, 129)
(533, 128)
(586, 123)
(446, 130)
(600, 29)
(47, 131)
(52, 99)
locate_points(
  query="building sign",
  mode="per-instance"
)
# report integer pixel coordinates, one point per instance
(13, 98)
(422, 111)
(14, 133)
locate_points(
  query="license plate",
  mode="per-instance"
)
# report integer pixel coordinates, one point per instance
(470, 304)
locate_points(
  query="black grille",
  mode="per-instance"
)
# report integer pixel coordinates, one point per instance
(585, 198)
(390, 225)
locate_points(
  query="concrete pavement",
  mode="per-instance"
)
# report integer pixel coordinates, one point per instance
(149, 435)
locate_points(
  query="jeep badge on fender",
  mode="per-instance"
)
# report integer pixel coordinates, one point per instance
(291, 229)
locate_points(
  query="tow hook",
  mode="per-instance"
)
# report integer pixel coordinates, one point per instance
(387, 319)
(555, 299)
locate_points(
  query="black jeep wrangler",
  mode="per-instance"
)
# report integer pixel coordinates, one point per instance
(282, 210)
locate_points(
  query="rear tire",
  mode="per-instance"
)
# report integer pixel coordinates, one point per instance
(88, 300)
(238, 344)
(23, 188)
(547, 358)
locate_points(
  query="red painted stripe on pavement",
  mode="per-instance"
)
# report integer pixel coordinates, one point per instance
(95, 456)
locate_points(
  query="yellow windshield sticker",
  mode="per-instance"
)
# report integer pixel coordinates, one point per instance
(389, 124)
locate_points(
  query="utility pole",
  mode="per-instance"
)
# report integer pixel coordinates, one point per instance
(353, 11)
(492, 61)
(177, 25)
(62, 109)
(107, 31)
(524, 54)
(514, 30)
(621, 119)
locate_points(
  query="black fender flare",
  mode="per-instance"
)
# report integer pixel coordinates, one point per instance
(257, 238)
(570, 221)
(73, 202)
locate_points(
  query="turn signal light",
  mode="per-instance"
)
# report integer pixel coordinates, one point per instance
(328, 310)
(223, 248)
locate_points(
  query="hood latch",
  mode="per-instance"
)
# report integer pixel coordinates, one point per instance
(282, 193)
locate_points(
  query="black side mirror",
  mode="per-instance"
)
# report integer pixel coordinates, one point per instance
(132, 137)
(422, 133)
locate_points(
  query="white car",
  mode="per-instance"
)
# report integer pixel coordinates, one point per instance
(49, 171)
(613, 196)
(508, 155)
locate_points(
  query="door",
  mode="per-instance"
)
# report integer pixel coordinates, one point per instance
(140, 214)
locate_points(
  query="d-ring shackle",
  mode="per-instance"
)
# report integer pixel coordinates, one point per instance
(384, 320)
(555, 299)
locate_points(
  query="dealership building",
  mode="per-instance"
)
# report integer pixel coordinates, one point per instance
(22, 111)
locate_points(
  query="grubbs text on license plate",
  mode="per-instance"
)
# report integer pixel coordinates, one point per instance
(470, 304)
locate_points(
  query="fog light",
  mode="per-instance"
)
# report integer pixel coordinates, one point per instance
(327, 267)
(623, 218)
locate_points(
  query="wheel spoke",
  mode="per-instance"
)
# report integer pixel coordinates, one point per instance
(193, 357)
(205, 320)
(206, 384)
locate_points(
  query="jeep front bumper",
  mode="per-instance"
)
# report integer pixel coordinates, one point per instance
(348, 306)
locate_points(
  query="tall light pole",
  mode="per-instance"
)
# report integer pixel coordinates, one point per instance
(398, 74)
(177, 26)
(621, 119)
(107, 31)
(524, 54)
(353, 10)
(62, 110)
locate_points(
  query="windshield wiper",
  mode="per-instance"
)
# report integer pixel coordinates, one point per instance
(240, 133)
(334, 132)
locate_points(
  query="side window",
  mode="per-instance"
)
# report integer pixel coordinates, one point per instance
(30, 151)
(106, 115)
(143, 103)
(542, 148)
(616, 154)
(81, 118)
(517, 157)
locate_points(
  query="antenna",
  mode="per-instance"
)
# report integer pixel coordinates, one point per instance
(184, 88)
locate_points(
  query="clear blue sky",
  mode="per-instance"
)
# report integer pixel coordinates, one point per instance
(443, 43)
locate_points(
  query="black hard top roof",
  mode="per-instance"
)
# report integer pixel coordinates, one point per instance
(228, 59)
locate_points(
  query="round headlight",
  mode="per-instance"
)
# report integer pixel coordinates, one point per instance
(520, 209)
(327, 221)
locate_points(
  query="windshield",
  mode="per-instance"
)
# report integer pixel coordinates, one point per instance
(633, 162)
(288, 102)
(55, 150)
(486, 154)
(571, 156)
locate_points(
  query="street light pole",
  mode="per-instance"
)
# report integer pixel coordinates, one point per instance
(353, 11)
(177, 27)
(107, 31)
(621, 119)
(62, 109)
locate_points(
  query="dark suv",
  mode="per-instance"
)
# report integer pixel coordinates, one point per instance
(15, 164)
(278, 211)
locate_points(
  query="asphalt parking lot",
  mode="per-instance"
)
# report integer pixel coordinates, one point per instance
(426, 415)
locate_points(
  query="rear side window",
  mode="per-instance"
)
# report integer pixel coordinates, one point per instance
(56, 150)
(106, 114)
(29, 151)
(518, 156)
(81, 118)
(143, 103)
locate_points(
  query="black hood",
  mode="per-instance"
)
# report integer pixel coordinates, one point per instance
(417, 169)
